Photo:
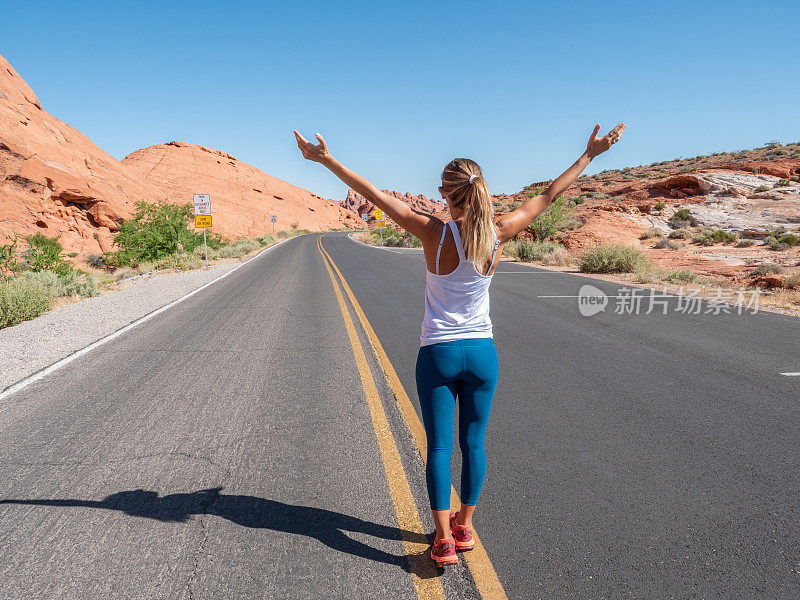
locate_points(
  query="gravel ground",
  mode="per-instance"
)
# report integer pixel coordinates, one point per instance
(34, 345)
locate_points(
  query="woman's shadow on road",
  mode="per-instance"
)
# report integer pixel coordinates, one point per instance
(250, 511)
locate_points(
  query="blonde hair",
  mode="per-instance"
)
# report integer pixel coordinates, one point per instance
(462, 182)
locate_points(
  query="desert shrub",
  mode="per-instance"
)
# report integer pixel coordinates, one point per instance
(680, 234)
(762, 188)
(651, 233)
(44, 254)
(551, 220)
(767, 269)
(717, 236)
(780, 241)
(8, 259)
(682, 214)
(178, 262)
(746, 243)
(22, 299)
(559, 257)
(680, 276)
(82, 285)
(668, 244)
(782, 183)
(266, 239)
(96, 261)
(200, 252)
(155, 231)
(286, 233)
(528, 251)
(793, 281)
(612, 258)
(660, 205)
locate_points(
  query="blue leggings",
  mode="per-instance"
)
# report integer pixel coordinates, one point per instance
(467, 369)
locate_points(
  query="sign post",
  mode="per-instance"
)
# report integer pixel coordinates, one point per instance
(202, 217)
(272, 219)
(381, 222)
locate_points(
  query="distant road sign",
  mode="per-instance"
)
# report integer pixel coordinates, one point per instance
(202, 204)
(273, 218)
(378, 215)
(201, 221)
(382, 223)
(365, 217)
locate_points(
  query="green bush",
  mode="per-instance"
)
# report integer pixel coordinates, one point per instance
(746, 243)
(528, 251)
(71, 284)
(718, 236)
(22, 299)
(766, 269)
(552, 219)
(266, 239)
(782, 183)
(789, 238)
(8, 259)
(680, 234)
(96, 261)
(762, 188)
(669, 244)
(660, 205)
(612, 258)
(44, 254)
(793, 281)
(178, 262)
(680, 276)
(681, 215)
(157, 230)
(394, 237)
(651, 233)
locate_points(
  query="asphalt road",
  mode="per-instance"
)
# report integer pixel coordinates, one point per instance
(224, 449)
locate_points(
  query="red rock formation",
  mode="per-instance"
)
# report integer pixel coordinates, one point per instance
(356, 203)
(53, 179)
(242, 197)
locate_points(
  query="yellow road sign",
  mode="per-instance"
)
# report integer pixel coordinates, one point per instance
(378, 215)
(382, 223)
(201, 221)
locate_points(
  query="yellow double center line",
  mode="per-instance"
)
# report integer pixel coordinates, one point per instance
(423, 571)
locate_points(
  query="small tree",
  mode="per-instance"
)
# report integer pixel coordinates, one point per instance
(155, 230)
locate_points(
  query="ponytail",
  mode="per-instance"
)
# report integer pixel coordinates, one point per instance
(463, 183)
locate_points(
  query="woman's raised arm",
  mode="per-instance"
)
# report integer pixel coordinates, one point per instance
(511, 224)
(417, 223)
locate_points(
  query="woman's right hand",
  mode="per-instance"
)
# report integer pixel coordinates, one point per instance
(316, 152)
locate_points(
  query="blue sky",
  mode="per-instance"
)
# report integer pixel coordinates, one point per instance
(398, 89)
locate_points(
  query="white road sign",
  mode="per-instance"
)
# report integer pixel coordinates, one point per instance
(202, 204)
(273, 218)
(365, 217)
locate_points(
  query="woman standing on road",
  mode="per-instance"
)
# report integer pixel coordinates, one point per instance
(457, 356)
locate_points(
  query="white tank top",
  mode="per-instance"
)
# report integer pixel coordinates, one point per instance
(456, 304)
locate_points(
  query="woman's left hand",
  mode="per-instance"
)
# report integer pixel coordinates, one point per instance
(318, 153)
(599, 145)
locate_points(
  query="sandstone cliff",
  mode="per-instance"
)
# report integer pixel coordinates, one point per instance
(53, 179)
(242, 197)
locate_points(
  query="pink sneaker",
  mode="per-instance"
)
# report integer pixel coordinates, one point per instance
(444, 552)
(462, 534)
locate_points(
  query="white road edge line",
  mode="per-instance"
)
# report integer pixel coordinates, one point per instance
(791, 374)
(25, 382)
